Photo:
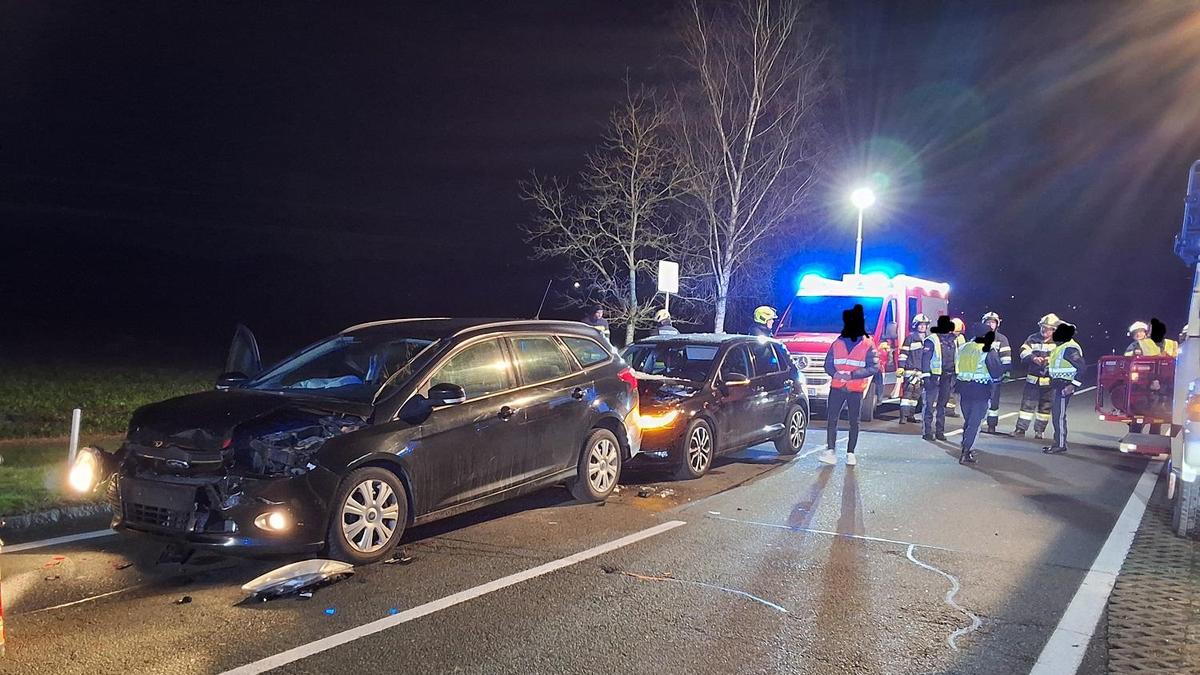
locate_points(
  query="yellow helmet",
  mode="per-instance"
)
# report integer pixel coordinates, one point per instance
(764, 314)
(1050, 319)
(959, 325)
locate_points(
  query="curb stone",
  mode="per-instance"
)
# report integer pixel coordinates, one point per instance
(59, 516)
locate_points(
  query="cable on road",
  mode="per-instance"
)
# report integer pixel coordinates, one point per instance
(976, 622)
(648, 577)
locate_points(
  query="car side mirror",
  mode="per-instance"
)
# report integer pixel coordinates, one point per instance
(231, 379)
(735, 380)
(446, 393)
(889, 331)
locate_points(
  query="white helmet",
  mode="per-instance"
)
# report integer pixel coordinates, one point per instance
(1139, 325)
(991, 316)
(919, 319)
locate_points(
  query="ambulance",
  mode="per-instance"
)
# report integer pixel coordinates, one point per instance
(813, 320)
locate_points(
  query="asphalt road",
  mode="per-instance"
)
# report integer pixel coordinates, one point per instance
(776, 566)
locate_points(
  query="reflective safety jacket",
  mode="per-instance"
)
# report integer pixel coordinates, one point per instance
(1066, 362)
(1003, 350)
(938, 353)
(759, 330)
(856, 359)
(975, 365)
(1148, 347)
(910, 352)
(1035, 346)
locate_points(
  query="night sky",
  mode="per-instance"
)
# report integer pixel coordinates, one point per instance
(169, 169)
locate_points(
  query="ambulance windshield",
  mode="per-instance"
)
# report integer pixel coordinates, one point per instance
(823, 313)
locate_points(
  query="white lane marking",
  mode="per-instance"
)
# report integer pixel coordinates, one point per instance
(1006, 415)
(1065, 649)
(976, 622)
(809, 530)
(337, 639)
(30, 545)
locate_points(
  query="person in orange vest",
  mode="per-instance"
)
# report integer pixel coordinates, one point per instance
(852, 362)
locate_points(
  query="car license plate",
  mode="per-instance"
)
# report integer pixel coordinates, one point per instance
(813, 391)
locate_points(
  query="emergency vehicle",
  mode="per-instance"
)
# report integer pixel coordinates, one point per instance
(813, 320)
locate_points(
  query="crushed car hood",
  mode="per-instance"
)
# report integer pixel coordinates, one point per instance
(206, 421)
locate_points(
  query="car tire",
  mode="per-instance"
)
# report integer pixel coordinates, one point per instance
(370, 512)
(795, 430)
(599, 467)
(870, 402)
(696, 451)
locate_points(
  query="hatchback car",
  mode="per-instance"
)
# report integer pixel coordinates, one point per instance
(708, 395)
(385, 425)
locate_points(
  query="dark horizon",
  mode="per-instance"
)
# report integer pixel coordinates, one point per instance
(170, 170)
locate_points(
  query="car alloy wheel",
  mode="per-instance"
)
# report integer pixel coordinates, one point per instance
(604, 464)
(699, 449)
(797, 427)
(370, 516)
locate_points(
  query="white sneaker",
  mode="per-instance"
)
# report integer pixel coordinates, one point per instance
(851, 460)
(828, 457)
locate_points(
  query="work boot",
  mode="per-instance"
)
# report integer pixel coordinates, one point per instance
(1039, 435)
(1054, 450)
(928, 437)
(1018, 433)
(966, 457)
(902, 418)
(991, 429)
(940, 436)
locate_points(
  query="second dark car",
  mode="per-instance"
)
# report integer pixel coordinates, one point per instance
(703, 395)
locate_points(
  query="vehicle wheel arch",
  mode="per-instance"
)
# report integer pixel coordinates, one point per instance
(392, 465)
(712, 427)
(617, 427)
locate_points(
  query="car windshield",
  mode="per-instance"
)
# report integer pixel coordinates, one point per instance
(348, 367)
(823, 313)
(683, 361)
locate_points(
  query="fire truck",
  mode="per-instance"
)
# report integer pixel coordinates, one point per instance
(813, 320)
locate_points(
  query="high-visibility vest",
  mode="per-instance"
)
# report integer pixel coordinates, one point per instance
(935, 362)
(971, 364)
(1170, 348)
(1060, 368)
(849, 361)
(1149, 347)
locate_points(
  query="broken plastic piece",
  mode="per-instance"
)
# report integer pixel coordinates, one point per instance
(330, 611)
(393, 611)
(666, 493)
(646, 491)
(300, 576)
(122, 565)
(401, 558)
(184, 600)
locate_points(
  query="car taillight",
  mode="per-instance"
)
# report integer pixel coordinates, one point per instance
(626, 375)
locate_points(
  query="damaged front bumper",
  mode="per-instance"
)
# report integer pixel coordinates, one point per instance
(220, 512)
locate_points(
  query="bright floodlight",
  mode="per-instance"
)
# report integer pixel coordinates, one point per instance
(863, 197)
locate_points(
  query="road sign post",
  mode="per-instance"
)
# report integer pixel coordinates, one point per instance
(668, 280)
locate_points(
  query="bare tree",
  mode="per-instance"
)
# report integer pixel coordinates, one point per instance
(616, 226)
(749, 133)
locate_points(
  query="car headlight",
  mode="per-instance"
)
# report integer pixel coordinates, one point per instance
(85, 472)
(657, 421)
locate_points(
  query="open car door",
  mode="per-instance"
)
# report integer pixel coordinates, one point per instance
(243, 361)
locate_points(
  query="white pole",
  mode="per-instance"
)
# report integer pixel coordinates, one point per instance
(667, 302)
(76, 419)
(858, 248)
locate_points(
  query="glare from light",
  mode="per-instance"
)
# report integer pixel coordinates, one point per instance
(862, 198)
(273, 521)
(84, 473)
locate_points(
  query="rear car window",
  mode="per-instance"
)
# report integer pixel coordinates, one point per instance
(766, 361)
(479, 369)
(540, 359)
(736, 361)
(587, 351)
(683, 361)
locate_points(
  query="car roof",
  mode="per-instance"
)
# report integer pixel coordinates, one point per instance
(441, 327)
(700, 338)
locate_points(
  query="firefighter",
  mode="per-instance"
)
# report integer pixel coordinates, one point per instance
(1004, 352)
(937, 370)
(764, 321)
(851, 363)
(595, 318)
(977, 366)
(1065, 366)
(1035, 400)
(663, 318)
(909, 370)
(1157, 344)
